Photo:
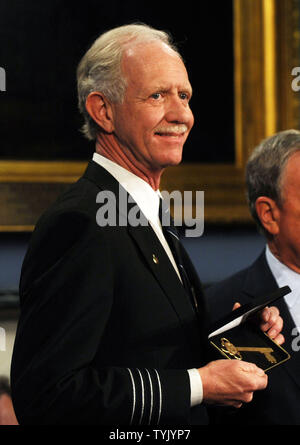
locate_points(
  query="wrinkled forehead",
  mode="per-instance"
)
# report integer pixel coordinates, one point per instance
(153, 63)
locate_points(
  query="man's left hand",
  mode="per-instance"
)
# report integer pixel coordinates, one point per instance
(270, 322)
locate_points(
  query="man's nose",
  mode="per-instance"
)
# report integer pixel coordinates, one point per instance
(178, 111)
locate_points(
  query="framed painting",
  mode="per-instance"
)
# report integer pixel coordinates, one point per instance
(249, 98)
(266, 100)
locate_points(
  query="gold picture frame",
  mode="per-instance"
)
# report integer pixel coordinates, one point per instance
(266, 48)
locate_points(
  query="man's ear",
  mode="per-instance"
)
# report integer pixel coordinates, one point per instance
(268, 214)
(99, 108)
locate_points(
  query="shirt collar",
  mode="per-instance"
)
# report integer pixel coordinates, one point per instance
(143, 194)
(284, 277)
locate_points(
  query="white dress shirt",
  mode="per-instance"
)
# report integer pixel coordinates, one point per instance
(285, 276)
(148, 201)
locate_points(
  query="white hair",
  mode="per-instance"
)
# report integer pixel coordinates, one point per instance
(100, 67)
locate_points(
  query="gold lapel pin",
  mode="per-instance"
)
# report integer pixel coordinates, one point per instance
(155, 259)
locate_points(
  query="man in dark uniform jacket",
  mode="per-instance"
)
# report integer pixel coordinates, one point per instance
(273, 182)
(108, 333)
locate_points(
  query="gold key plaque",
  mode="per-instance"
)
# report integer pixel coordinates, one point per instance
(235, 351)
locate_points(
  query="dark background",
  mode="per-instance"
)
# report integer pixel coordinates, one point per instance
(41, 43)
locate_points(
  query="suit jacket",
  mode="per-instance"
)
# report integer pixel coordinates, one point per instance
(106, 332)
(279, 403)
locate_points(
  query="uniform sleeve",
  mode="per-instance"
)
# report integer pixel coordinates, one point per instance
(67, 295)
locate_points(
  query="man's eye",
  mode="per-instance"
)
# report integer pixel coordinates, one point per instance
(156, 96)
(184, 96)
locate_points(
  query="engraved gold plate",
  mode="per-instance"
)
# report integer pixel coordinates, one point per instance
(235, 351)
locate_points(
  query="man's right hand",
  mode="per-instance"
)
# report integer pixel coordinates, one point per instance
(231, 382)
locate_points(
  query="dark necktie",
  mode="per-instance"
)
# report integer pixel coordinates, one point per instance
(172, 237)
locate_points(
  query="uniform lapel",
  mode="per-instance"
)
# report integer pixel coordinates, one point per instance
(163, 271)
(152, 251)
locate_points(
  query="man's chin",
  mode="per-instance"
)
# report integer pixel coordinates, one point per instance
(172, 160)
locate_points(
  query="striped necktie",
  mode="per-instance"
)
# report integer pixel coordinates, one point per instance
(172, 237)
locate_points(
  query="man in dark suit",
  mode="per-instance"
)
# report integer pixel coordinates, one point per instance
(273, 186)
(108, 333)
